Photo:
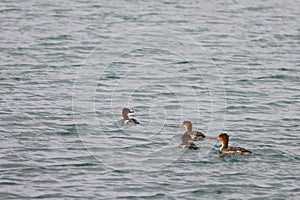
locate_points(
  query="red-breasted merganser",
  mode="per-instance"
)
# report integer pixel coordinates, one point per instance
(126, 119)
(224, 149)
(186, 142)
(189, 136)
(195, 135)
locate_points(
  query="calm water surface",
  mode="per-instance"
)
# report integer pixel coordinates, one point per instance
(69, 67)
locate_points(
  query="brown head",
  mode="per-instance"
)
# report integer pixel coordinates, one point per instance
(125, 113)
(188, 125)
(224, 138)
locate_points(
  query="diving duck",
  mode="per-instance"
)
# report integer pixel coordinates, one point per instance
(195, 135)
(189, 135)
(224, 149)
(126, 119)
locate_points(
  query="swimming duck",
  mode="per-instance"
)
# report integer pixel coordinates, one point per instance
(195, 135)
(186, 142)
(189, 135)
(224, 149)
(126, 119)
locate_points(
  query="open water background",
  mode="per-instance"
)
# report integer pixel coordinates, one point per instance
(69, 67)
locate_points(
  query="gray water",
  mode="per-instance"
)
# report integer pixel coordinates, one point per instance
(69, 67)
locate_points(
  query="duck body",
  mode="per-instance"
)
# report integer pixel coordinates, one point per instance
(191, 146)
(224, 149)
(186, 142)
(129, 121)
(189, 136)
(126, 119)
(195, 135)
(236, 150)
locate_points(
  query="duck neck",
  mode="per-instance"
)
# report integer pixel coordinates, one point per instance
(188, 128)
(224, 145)
(125, 116)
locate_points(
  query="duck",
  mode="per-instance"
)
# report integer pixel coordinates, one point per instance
(224, 149)
(189, 136)
(186, 142)
(126, 119)
(195, 135)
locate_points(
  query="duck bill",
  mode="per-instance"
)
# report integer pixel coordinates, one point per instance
(180, 124)
(212, 138)
(131, 111)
